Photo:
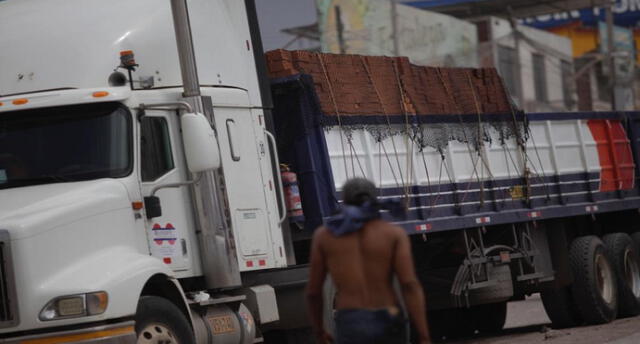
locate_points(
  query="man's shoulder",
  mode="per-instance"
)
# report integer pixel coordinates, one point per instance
(390, 227)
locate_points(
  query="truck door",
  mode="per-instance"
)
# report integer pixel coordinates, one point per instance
(161, 163)
(250, 188)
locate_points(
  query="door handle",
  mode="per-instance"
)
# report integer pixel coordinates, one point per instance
(283, 205)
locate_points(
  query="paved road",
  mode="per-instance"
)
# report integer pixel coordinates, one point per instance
(527, 323)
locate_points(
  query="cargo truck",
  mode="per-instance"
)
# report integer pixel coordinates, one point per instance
(141, 197)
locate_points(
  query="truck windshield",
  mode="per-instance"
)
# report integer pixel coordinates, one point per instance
(65, 144)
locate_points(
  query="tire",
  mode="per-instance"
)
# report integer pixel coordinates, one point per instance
(489, 318)
(559, 305)
(451, 323)
(594, 288)
(623, 253)
(160, 321)
(636, 238)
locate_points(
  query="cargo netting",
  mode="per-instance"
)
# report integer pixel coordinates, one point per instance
(434, 105)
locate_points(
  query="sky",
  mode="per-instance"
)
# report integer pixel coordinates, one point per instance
(275, 15)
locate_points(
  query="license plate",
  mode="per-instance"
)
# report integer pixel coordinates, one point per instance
(221, 324)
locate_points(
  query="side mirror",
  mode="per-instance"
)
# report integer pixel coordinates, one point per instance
(200, 143)
(152, 207)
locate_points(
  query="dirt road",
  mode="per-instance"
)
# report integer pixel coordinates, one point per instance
(528, 323)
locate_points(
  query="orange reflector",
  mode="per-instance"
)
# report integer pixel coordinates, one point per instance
(126, 52)
(100, 94)
(20, 101)
(137, 205)
(505, 257)
(1, 103)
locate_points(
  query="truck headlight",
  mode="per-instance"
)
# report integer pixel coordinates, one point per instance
(73, 306)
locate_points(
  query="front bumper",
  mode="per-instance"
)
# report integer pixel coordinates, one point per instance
(121, 333)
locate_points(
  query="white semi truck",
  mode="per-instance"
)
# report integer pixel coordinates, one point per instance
(141, 197)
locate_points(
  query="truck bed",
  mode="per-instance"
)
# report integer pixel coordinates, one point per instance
(459, 171)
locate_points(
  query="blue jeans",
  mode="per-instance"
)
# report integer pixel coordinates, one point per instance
(359, 326)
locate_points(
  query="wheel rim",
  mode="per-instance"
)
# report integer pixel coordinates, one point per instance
(632, 273)
(604, 278)
(156, 334)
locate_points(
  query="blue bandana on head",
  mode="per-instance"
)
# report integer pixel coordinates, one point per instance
(352, 217)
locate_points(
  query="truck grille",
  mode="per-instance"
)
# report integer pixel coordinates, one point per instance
(8, 306)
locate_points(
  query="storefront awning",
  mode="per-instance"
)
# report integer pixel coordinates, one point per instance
(501, 8)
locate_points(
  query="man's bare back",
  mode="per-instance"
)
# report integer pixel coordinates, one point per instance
(361, 265)
(363, 254)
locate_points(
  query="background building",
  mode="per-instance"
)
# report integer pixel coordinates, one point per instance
(380, 27)
(554, 61)
(587, 32)
(275, 16)
(536, 66)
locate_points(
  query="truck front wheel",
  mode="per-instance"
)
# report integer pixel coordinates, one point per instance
(158, 321)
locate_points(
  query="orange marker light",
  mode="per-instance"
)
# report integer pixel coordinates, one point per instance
(100, 94)
(137, 205)
(127, 60)
(20, 101)
(1, 103)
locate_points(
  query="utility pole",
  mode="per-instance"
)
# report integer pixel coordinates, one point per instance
(340, 30)
(394, 27)
(611, 47)
(517, 66)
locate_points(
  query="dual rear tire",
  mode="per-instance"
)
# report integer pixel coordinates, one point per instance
(595, 286)
(624, 257)
(606, 282)
(455, 323)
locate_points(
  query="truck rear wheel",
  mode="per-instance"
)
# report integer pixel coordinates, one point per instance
(559, 305)
(636, 239)
(489, 318)
(451, 323)
(160, 321)
(594, 288)
(624, 259)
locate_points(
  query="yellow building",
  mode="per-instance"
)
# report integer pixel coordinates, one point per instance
(586, 39)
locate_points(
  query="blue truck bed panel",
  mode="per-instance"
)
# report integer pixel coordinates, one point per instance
(517, 168)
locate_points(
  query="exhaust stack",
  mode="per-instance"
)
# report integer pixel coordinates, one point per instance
(186, 52)
(216, 241)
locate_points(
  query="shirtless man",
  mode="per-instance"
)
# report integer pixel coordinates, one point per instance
(362, 253)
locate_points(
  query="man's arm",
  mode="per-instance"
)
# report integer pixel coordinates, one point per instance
(411, 288)
(317, 275)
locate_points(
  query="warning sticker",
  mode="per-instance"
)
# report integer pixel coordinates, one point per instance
(164, 240)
